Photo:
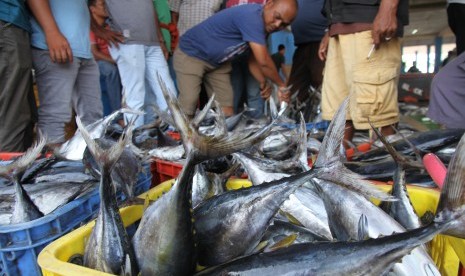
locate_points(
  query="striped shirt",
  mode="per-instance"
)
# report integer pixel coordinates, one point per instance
(232, 3)
(192, 12)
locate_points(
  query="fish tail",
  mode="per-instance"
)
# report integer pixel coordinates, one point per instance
(105, 158)
(180, 119)
(451, 208)
(18, 166)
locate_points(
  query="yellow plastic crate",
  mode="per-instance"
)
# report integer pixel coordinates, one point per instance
(447, 252)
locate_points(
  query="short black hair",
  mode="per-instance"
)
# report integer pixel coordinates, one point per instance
(281, 46)
(91, 3)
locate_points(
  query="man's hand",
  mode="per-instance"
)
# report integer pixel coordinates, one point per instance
(173, 29)
(112, 37)
(265, 90)
(385, 23)
(284, 94)
(323, 50)
(59, 48)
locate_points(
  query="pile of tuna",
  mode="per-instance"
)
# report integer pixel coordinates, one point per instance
(33, 185)
(294, 220)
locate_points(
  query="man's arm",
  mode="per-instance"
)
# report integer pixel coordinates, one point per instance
(98, 55)
(268, 69)
(385, 23)
(58, 46)
(110, 36)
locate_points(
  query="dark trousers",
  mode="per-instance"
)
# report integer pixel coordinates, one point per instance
(456, 18)
(307, 69)
(17, 103)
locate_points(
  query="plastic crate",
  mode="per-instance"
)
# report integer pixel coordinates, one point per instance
(21, 243)
(166, 170)
(174, 134)
(323, 125)
(360, 148)
(5, 156)
(54, 258)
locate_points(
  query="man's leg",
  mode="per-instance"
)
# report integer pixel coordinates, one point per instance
(87, 95)
(156, 67)
(218, 81)
(254, 99)
(334, 92)
(110, 73)
(17, 104)
(55, 82)
(237, 82)
(189, 75)
(131, 66)
(374, 89)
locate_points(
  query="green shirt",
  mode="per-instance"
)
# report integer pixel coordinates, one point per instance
(164, 16)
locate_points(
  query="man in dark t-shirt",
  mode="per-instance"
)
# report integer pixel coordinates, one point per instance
(205, 52)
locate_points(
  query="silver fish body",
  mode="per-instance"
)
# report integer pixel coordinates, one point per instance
(345, 208)
(232, 224)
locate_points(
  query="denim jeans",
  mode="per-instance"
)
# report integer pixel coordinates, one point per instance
(111, 86)
(244, 84)
(139, 68)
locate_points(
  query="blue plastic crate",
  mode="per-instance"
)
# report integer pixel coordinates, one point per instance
(323, 125)
(21, 243)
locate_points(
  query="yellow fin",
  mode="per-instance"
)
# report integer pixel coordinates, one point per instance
(285, 242)
(292, 219)
(260, 246)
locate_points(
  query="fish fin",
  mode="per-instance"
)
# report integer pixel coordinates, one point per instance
(352, 181)
(401, 160)
(451, 205)
(260, 247)
(220, 120)
(332, 142)
(329, 166)
(285, 242)
(363, 228)
(203, 113)
(292, 219)
(302, 144)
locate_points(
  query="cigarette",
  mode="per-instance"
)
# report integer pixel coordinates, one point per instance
(371, 51)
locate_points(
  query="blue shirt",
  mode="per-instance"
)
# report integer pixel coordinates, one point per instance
(73, 20)
(225, 35)
(14, 12)
(309, 24)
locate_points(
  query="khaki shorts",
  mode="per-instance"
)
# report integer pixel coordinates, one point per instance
(192, 72)
(371, 83)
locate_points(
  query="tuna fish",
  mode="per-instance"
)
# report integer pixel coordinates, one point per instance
(164, 242)
(109, 247)
(24, 209)
(73, 149)
(367, 257)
